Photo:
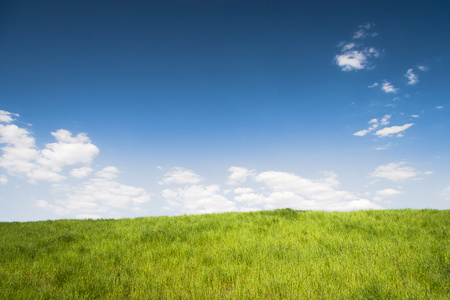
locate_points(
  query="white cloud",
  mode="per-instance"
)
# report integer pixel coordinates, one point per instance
(445, 193)
(375, 124)
(362, 132)
(396, 172)
(385, 120)
(3, 179)
(352, 60)
(270, 190)
(242, 190)
(238, 175)
(388, 131)
(439, 107)
(412, 77)
(375, 84)
(81, 172)
(180, 176)
(387, 87)
(97, 196)
(109, 172)
(67, 151)
(101, 195)
(423, 68)
(354, 55)
(198, 199)
(6, 116)
(311, 189)
(388, 193)
(415, 116)
(21, 157)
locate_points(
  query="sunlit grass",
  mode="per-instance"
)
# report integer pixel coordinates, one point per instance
(282, 254)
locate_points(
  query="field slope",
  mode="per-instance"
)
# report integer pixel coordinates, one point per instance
(281, 254)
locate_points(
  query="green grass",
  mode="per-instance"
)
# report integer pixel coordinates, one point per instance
(281, 254)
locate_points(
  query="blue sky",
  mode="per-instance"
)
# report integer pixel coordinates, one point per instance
(114, 109)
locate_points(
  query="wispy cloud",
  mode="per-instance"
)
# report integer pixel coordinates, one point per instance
(375, 124)
(7, 117)
(364, 31)
(375, 84)
(387, 87)
(423, 68)
(389, 131)
(355, 55)
(445, 193)
(388, 193)
(396, 172)
(412, 77)
(383, 147)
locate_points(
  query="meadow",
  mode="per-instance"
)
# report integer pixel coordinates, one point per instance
(280, 254)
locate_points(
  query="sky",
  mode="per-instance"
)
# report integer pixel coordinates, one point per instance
(123, 109)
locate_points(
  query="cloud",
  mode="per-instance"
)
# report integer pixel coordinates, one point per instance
(3, 179)
(67, 151)
(385, 120)
(19, 153)
(199, 199)
(355, 59)
(412, 78)
(282, 189)
(388, 193)
(364, 31)
(180, 176)
(423, 68)
(81, 172)
(439, 107)
(109, 172)
(355, 55)
(362, 132)
(238, 175)
(396, 172)
(445, 193)
(98, 196)
(387, 87)
(269, 190)
(375, 124)
(389, 131)
(384, 147)
(21, 157)
(7, 117)
(101, 195)
(375, 84)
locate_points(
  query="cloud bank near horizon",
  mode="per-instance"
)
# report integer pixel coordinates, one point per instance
(79, 191)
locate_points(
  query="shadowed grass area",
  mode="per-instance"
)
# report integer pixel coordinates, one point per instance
(281, 254)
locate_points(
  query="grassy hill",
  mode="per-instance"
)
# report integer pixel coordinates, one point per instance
(281, 254)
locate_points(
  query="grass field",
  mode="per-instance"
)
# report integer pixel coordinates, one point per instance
(281, 254)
